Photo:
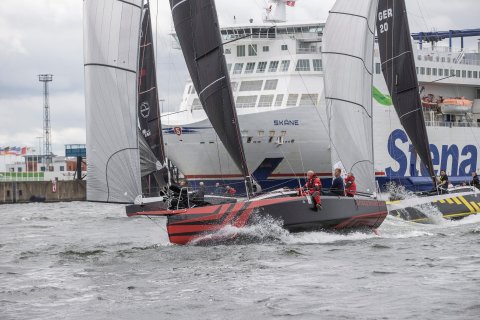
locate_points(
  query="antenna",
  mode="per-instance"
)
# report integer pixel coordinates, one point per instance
(47, 145)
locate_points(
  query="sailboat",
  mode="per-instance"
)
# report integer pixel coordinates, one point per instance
(197, 29)
(398, 67)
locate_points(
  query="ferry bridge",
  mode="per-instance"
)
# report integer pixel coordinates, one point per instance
(436, 36)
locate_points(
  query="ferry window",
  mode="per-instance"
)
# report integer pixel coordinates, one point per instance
(251, 85)
(237, 69)
(377, 68)
(419, 57)
(271, 85)
(422, 70)
(62, 168)
(279, 100)
(417, 69)
(196, 105)
(229, 67)
(448, 59)
(309, 99)
(434, 71)
(19, 169)
(234, 86)
(285, 65)
(443, 59)
(265, 101)
(437, 58)
(42, 169)
(261, 67)
(273, 66)
(464, 73)
(475, 74)
(429, 71)
(440, 72)
(469, 74)
(447, 72)
(189, 91)
(292, 100)
(246, 102)
(266, 48)
(478, 93)
(228, 51)
(284, 47)
(261, 133)
(317, 65)
(457, 73)
(303, 65)
(252, 49)
(271, 133)
(241, 51)
(250, 67)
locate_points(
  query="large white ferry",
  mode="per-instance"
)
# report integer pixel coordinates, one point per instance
(276, 72)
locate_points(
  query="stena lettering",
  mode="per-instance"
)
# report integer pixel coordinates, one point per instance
(286, 122)
(456, 161)
(384, 15)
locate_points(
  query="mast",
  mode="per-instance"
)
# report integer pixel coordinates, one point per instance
(348, 55)
(197, 28)
(398, 67)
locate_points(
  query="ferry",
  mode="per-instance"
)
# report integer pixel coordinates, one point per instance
(276, 73)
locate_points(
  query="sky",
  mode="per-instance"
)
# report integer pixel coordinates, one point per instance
(45, 36)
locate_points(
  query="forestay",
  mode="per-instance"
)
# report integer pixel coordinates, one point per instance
(398, 67)
(348, 44)
(111, 42)
(197, 28)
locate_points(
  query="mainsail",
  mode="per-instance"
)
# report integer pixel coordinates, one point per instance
(348, 44)
(398, 67)
(197, 28)
(152, 154)
(111, 42)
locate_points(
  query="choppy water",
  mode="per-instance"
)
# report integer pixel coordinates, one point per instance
(88, 261)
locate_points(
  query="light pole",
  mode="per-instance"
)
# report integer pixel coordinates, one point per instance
(38, 156)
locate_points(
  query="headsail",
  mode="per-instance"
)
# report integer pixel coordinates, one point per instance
(398, 67)
(111, 41)
(152, 155)
(197, 28)
(348, 56)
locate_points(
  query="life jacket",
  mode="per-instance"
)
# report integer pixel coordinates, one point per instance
(313, 184)
(350, 186)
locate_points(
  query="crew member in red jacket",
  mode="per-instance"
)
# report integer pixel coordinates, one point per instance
(350, 185)
(313, 187)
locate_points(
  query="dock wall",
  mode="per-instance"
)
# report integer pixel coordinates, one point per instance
(48, 191)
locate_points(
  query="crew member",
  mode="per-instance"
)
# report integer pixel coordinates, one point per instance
(313, 187)
(350, 185)
(230, 191)
(338, 188)
(475, 180)
(218, 189)
(443, 182)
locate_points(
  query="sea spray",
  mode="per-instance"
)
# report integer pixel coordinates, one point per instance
(398, 192)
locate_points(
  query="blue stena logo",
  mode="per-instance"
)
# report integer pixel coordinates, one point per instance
(286, 122)
(448, 158)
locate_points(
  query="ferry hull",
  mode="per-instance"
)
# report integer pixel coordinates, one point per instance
(203, 224)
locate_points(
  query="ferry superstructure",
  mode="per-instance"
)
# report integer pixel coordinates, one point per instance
(277, 79)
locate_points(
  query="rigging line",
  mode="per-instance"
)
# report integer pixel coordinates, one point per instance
(398, 56)
(211, 84)
(179, 3)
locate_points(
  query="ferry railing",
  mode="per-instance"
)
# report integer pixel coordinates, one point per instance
(446, 124)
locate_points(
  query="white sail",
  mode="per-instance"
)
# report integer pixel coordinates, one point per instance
(111, 42)
(348, 60)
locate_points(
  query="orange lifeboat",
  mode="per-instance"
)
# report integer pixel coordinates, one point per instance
(456, 106)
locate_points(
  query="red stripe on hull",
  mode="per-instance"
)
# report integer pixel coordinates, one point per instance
(365, 219)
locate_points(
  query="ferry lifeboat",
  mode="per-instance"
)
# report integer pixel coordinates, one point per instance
(456, 106)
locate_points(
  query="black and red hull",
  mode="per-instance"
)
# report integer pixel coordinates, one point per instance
(295, 213)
